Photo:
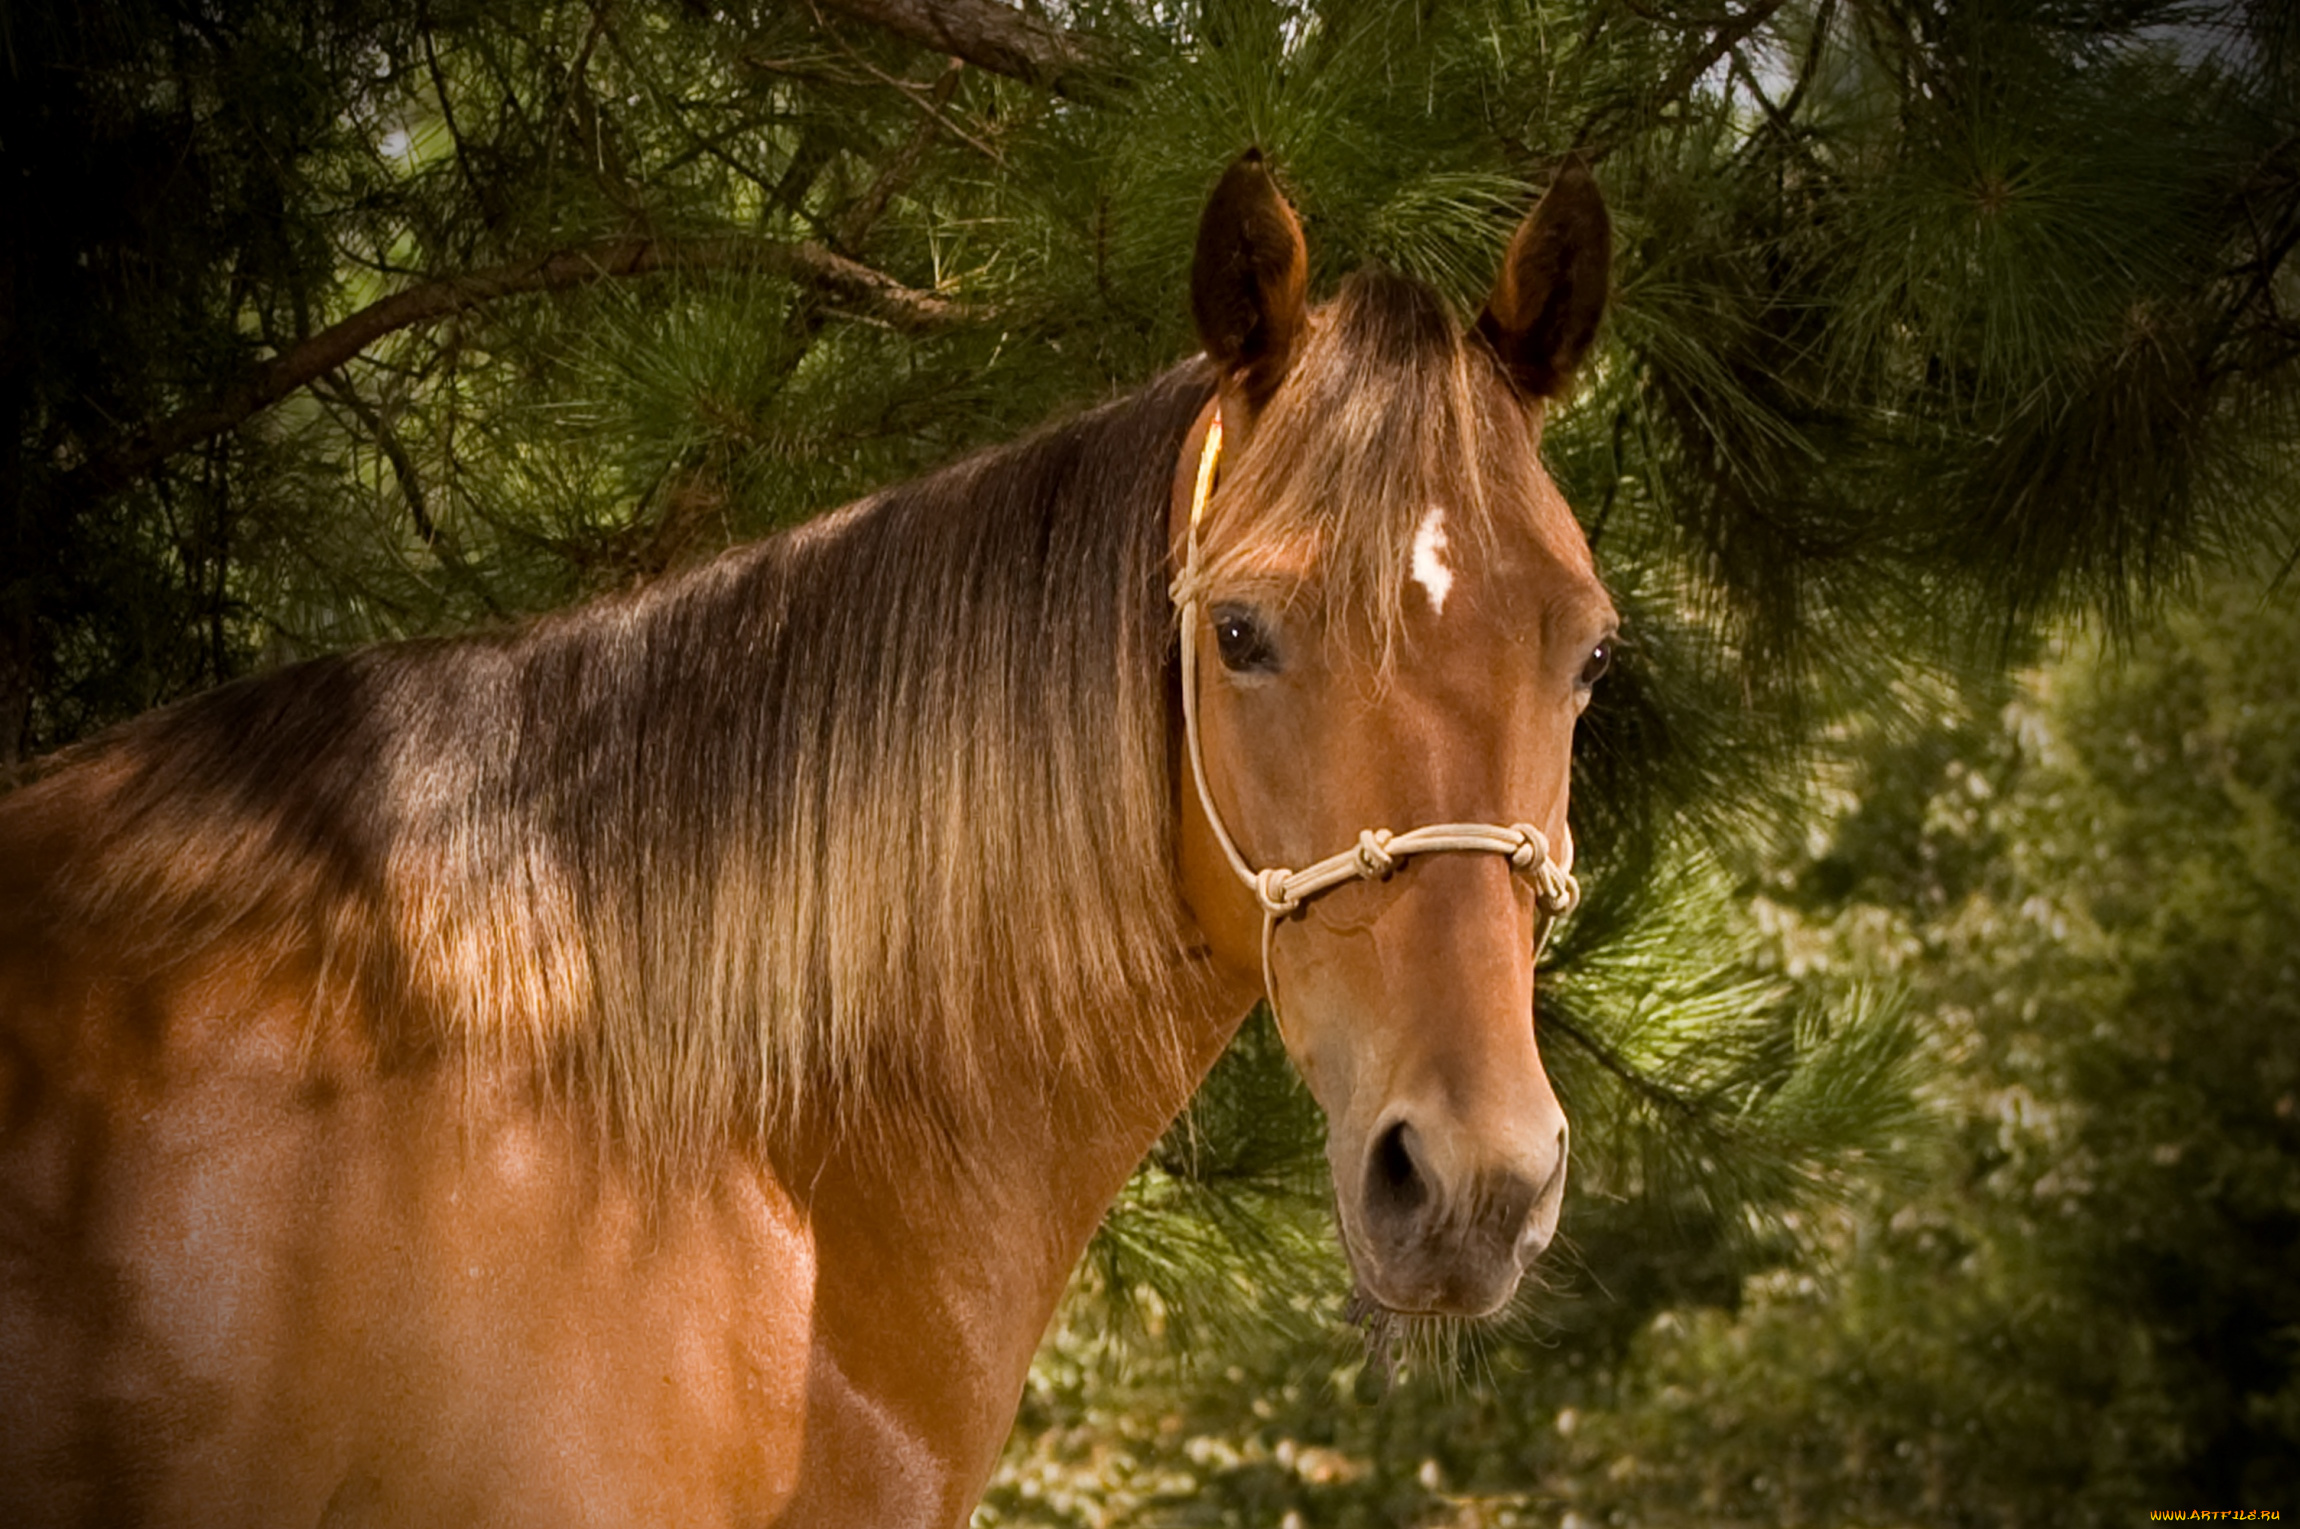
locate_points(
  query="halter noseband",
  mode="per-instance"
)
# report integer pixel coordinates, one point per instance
(1377, 853)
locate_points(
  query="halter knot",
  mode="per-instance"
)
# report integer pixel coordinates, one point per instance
(1375, 862)
(1271, 891)
(1555, 892)
(1554, 889)
(1186, 587)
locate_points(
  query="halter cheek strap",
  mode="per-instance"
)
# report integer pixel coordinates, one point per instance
(1378, 851)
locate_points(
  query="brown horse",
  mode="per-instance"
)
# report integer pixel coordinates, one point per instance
(661, 1063)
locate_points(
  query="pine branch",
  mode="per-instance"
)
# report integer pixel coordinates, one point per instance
(1596, 139)
(482, 196)
(2256, 311)
(1728, 36)
(1784, 115)
(439, 539)
(853, 286)
(855, 223)
(996, 37)
(1651, 1090)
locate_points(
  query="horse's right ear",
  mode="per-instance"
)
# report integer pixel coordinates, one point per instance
(1249, 282)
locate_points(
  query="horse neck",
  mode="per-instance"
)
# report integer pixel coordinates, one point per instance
(1027, 1182)
(985, 1216)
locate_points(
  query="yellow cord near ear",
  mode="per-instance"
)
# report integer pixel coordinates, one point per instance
(1209, 458)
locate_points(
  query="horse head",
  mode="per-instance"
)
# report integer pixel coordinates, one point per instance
(1391, 622)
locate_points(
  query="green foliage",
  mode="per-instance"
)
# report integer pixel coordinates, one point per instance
(2090, 1308)
(1222, 1237)
(1958, 310)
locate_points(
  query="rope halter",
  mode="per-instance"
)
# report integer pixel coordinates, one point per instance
(1378, 852)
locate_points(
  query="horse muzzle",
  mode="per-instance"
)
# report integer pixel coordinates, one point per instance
(1434, 1226)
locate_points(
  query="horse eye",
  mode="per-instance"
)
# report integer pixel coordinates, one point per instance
(1600, 660)
(1243, 642)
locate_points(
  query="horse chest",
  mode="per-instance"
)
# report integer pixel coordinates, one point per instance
(245, 1286)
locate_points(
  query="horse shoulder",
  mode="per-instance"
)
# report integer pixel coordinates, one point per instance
(252, 1268)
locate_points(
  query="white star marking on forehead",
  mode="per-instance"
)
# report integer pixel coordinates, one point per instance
(1430, 570)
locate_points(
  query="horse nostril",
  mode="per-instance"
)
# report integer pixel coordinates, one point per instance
(1396, 1186)
(1539, 1220)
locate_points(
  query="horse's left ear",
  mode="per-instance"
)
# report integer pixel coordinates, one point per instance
(1543, 314)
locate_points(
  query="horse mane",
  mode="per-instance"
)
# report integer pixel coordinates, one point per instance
(847, 824)
(843, 823)
(1391, 410)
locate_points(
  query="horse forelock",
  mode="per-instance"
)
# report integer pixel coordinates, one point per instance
(844, 826)
(1391, 413)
